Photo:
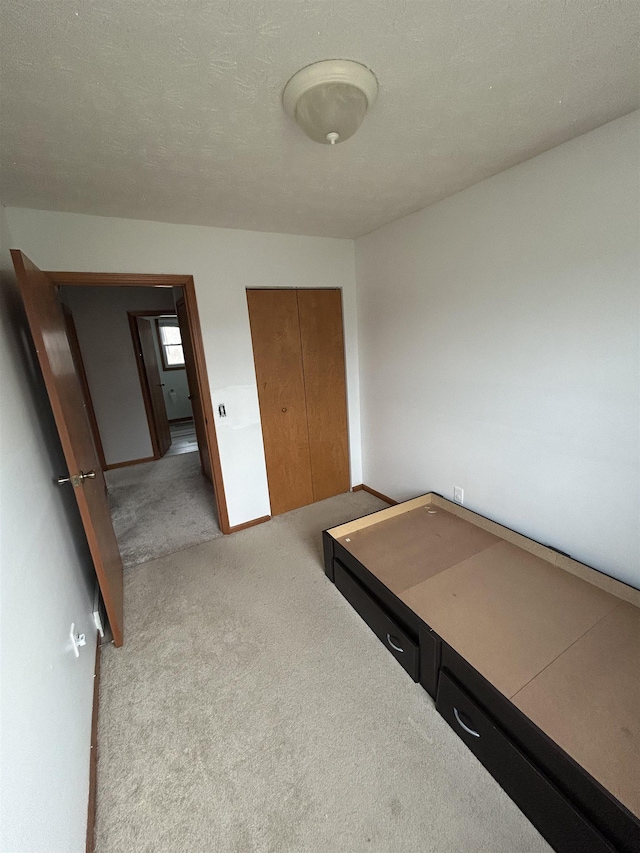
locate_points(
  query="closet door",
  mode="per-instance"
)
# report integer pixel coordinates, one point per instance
(321, 335)
(275, 332)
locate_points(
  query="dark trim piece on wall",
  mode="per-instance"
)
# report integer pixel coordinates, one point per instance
(251, 523)
(93, 756)
(363, 488)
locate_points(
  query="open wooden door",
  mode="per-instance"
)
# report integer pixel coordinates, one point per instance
(160, 430)
(48, 330)
(192, 381)
(76, 352)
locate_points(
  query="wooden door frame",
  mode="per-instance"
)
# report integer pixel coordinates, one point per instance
(84, 382)
(142, 375)
(186, 282)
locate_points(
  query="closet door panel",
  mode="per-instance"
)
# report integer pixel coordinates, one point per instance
(322, 338)
(275, 332)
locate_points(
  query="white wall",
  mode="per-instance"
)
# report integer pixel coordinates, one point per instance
(499, 334)
(177, 405)
(46, 583)
(223, 263)
(100, 315)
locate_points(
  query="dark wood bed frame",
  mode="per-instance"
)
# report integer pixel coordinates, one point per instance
(571, 809)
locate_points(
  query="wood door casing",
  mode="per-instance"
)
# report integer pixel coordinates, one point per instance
(275, 333)
(199, 418)
(48, 330)
(151, 368)
(322, 339)
(76, 352)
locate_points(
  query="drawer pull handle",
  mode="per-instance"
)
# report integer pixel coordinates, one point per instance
(466, 728)
(393, 645)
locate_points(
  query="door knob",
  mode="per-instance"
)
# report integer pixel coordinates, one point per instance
(77, 479)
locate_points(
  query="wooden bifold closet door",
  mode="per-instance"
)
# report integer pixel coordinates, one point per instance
(298, 348)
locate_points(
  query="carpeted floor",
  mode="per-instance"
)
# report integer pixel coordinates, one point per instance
(161, 507)
(252, 711)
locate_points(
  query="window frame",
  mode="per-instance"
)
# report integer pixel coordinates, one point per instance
(161, 347)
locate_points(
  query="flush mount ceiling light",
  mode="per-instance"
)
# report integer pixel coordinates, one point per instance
(330, 99)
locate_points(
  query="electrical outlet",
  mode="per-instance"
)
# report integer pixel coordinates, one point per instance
(458, 494)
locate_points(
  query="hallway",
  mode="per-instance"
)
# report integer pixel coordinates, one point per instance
(161, 507)
(183, 438)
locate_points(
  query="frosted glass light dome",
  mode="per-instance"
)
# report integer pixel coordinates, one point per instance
(330, 99)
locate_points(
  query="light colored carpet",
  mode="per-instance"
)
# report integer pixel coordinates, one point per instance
(161, 507)
(252, 711)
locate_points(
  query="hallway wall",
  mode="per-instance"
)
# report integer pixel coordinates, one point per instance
(100, 315)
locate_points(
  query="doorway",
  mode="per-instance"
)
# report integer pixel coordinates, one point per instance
(142, 385)
(161, 362)
(68, 387)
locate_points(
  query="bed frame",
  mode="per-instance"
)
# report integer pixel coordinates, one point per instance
(532, 657)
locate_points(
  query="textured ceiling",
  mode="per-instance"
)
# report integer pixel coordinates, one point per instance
(171, 110)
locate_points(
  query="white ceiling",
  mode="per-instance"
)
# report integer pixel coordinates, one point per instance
(171, 110)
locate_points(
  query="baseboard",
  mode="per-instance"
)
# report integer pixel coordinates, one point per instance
(130, 462)
(363, 488)
(179, 420)
(93, 756)
(251, 523)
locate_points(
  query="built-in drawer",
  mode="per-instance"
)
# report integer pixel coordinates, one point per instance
(600, 807)
(403, 647)
(565, 828)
